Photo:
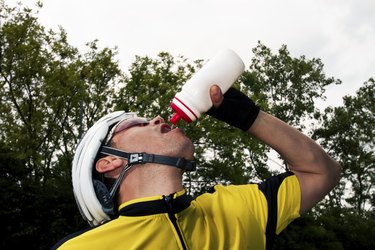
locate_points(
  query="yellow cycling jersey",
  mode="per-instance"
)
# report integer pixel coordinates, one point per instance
(230, 217)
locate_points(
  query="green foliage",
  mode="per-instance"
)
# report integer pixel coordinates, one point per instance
(334, 228)
(287, 86)
(348, 132)
(44, 83)
(151, 85)
(307, 233)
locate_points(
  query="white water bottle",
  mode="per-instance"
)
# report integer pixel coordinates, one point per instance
(194, 97)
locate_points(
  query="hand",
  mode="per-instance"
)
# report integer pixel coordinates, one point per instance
(233, 107)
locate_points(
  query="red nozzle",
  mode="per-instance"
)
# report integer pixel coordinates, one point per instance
(175, 118)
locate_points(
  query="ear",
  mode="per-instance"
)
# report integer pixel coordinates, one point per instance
(108, 164)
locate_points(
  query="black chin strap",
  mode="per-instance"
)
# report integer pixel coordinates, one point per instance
(141, 158)
(106, 198)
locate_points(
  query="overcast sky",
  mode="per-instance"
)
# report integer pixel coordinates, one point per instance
(339, 32)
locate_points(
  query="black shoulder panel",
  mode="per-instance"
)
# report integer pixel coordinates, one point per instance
(270, 188)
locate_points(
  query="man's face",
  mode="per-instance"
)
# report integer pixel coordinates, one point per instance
(155, 138)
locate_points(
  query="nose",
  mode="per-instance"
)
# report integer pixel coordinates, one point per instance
(157, 120)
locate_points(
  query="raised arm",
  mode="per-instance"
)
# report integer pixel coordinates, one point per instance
(316, 171)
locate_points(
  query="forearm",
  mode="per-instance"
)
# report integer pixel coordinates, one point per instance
(296, 149)
(304, 157)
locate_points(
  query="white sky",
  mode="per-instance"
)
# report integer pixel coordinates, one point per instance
(339, 32)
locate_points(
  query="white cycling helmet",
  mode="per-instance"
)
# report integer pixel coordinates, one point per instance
(83, 184)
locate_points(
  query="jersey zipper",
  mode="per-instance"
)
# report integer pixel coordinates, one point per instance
(168, 199)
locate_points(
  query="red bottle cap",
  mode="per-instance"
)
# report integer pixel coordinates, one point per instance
(178, 115)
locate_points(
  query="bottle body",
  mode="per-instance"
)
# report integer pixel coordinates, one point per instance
(194, 97)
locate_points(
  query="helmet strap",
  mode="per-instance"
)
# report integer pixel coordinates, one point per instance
(106, 197)
(142, 158)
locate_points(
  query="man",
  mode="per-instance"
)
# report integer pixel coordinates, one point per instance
(152, 210)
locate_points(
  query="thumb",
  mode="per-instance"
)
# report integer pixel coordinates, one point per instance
(216, 95)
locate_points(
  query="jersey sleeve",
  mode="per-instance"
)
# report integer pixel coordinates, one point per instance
(283, 196)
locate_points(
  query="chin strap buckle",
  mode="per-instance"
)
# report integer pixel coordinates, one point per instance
(135, 158)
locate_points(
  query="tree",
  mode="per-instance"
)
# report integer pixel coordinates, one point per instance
(288, 87)
(331, 228)
(44, 84)
(348, 132)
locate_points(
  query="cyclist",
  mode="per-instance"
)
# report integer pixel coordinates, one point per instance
(127, 180)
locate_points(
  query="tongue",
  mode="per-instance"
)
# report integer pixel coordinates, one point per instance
(165, 128)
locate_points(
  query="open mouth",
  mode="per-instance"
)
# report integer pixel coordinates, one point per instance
(165, 128)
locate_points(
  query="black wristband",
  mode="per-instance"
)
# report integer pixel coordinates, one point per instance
(236, 109)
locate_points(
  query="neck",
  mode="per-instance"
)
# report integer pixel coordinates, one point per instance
(150, 180)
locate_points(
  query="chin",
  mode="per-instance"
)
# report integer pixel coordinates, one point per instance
(186, 153)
